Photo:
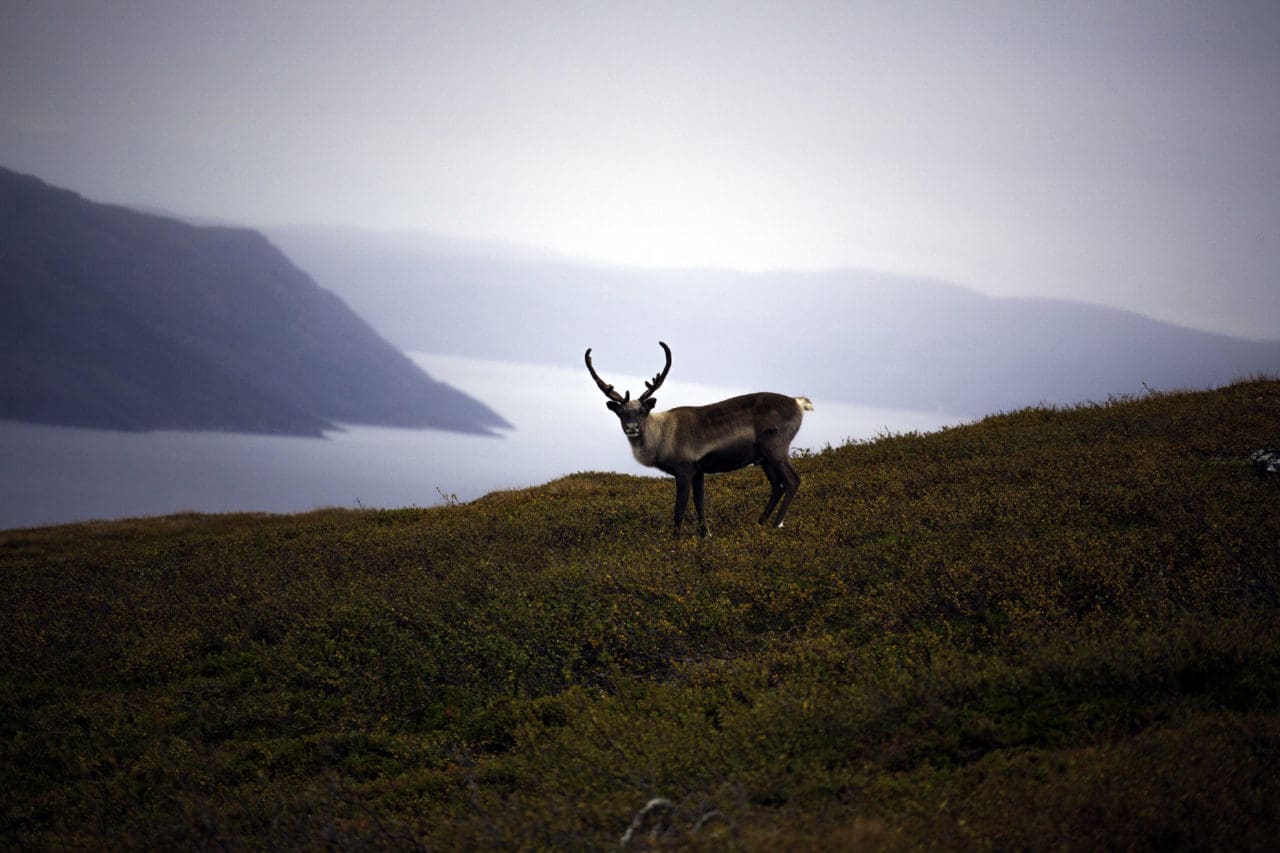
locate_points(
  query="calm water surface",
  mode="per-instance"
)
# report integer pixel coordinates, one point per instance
(53, 474)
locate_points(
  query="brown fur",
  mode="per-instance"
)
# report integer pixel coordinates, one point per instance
(689, 442)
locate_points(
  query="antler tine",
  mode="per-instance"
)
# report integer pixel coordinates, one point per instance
(604, 386)
(661, 377)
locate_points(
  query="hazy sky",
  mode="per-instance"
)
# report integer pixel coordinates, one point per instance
(1117, 152)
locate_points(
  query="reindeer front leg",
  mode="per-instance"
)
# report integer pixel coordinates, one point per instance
(684, 480)
(698, 503)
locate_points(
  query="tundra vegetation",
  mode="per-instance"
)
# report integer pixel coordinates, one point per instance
(1054, 627)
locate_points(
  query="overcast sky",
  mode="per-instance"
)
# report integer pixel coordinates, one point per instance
(1118, 152)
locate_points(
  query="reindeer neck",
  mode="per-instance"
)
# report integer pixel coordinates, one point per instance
(646, 446)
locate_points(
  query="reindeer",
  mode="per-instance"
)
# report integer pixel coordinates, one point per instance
(689, 442)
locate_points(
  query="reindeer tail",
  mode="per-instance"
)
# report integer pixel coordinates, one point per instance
(805, 403)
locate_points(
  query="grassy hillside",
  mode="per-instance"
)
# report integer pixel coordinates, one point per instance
(1054, 627)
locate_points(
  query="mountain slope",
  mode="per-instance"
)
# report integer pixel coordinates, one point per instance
(861, 337)
(1050, 628)
(117, 319)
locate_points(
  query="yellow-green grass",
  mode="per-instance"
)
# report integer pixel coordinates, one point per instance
(1055, 627)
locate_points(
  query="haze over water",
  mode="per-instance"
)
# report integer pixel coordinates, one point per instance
(55, 474)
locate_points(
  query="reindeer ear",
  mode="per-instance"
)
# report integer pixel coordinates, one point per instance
(614, 406)
(649, 404)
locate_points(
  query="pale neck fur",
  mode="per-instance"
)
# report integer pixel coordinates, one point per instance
(653, 435)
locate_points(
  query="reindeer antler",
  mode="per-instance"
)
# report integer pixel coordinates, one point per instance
(661, 377)
(604, 386)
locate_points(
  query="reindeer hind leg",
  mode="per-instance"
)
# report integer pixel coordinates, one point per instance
(790, 486)
(776, 489)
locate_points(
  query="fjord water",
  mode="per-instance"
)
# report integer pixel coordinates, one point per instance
(52, 475)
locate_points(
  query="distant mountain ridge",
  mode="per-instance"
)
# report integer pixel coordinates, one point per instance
(117, 319)
(861, 337)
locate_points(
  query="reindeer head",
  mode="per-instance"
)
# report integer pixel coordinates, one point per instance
(632, 412)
